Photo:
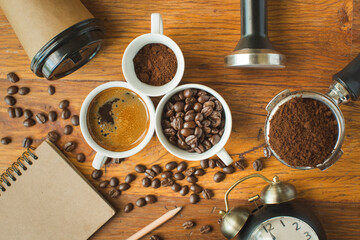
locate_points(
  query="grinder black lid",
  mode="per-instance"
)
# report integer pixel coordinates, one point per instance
(69, 50)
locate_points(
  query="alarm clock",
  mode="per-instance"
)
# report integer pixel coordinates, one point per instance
(281, 217)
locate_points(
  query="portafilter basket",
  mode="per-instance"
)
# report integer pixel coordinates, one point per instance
(346, 85)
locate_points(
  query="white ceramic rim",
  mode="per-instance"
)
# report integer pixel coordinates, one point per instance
(183, 154)
(85, 131)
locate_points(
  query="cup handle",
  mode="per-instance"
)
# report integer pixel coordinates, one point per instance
(98, 161)
(156, 23)
(225, 157)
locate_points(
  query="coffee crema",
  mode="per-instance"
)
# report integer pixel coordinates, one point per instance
(118, 119)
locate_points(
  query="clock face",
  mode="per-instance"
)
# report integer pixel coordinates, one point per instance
(284, 228)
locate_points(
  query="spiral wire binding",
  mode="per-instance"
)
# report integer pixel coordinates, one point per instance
(9, 173)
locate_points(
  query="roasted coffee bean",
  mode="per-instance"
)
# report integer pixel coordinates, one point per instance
(182, 166)
(189, 116)
(177, 123)
(80, 157)
(208, 194)
(167, 174)
(209, 104)
(114, 181)
(220, 164)
(179, 106)
(198, 132)
(124, 186)
(27, 142)
(52, 116)
(267, 152)
(188, 107)
(140, 202)
(96, 174)
(196, 188)
(186, 132)
(146, 182)
(207, 111)
(128, 207)
(204, 163)
(190, 124)
(68, 129)
(64, 104)
(189, 92)
(24, 90)
(192, 179)
(104, 184)
(155, 237)
(198, 107)
(18, 112)
(10, 100)
(191, 140)
(75, 120)
(165, 124)
(51, 90)
(5, 140)
(114, 193)
(188, 224)
(194, 198)
(28, 113)
(199, 149)
(53, 136)
(205, 229)
(41, 118)
(190, 171)
(176, 187)
(69, 146)
(229, 169)
(11, 112)
(129, 178)
(157, 169)
(150, 199)
(140, 168)
(156, 183)
(219, 176)
(199, 172)
(214, 139)
(257, 165)
(29, 122)
(241, 164)
(12, 90)
(169, 132)
(150, 173)
(65, 114)
(179, 176)
(12, 77)
(171, 165)
(203, 98)
(167, 182)
(184, 190)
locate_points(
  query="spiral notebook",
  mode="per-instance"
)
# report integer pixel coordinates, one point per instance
(43, 196)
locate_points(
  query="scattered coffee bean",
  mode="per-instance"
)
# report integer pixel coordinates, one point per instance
(212, 163)
(170, 166)
(241, 164)
(229, 169)
(12, 90)
(28, 113)
(167, 182)
(219, 176)
(140, 202)
(64, 104)
(11, 112)
(5, 140)
(176, 187)
(29, 122)
(188, 224)
(157, 169)
(129, 178)
(182, 166)
(156, 183)
(53, 136)
(80, 157)
(146, 182)
(75, 120)
(190, 171)
(257, 165)
(194, 198)
(167, 174)
(267, 152)
(205, 229)
(220, 164)
(69, 146)
(124, 186)
(150, 199)
(114, 193)
(150, 173)
(18, 112)
(199, 172)
(195, 188)
(52, 116)
(192, 179)
(155, 237)
(140, 168)
(207, 193)
(184, 190)
(65, 114)
(204, 163)
(68, 129)
(179, 176)
(128, 207)
(41, 118)
(10, 100)
(104, 184)
(96, 174)
(24, 90)
(12, 77)
(114, 181)
(27, 142)
(51, 90)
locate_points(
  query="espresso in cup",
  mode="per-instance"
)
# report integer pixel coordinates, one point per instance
(118, 119)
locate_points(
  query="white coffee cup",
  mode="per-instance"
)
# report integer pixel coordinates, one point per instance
(156, 36)
(102, 153)
(217, 149)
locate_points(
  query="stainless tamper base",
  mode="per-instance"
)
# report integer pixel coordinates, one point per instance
(255, 58)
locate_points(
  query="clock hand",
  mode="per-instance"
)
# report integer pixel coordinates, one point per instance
(272, 235)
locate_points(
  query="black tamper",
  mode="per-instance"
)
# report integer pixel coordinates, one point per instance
(254, 50)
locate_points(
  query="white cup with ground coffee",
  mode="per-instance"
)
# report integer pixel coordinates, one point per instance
(116, 121)
(153, 63)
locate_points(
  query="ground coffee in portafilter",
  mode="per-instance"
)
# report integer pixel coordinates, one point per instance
(303, 132)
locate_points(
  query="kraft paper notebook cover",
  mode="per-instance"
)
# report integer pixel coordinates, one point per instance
(50, 200)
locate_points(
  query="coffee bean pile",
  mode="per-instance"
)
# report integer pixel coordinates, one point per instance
(193, 120)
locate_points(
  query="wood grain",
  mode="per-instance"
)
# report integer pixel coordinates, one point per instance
(318, 38)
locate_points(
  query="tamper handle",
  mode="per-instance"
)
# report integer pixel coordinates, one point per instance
(349, 77)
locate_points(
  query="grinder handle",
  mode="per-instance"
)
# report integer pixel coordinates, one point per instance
(349, 78)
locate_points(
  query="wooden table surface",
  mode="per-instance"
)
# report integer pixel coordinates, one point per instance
(318, 38)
